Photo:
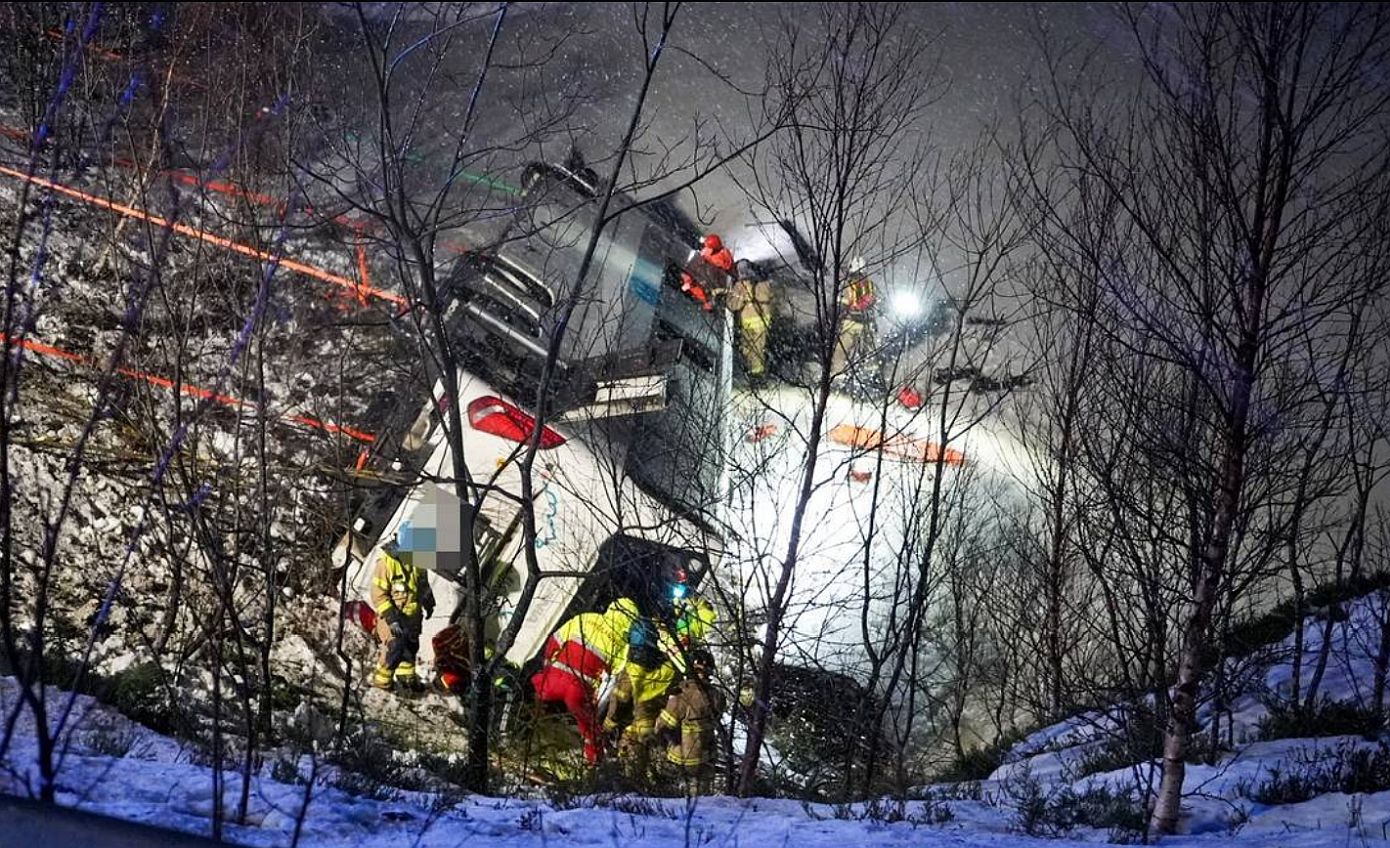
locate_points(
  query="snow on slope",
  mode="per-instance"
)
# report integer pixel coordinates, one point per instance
(1218, 796)
(158, 781)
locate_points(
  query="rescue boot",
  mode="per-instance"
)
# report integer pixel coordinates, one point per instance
(383, 678)
(408, 681)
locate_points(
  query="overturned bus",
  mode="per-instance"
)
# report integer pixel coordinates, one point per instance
(629, 479)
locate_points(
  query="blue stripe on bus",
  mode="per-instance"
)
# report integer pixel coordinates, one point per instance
(645, 281)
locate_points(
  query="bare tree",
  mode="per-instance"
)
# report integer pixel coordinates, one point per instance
(1248, 171)
(841, 166)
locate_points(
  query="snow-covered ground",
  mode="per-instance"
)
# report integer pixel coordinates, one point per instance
(114, 767)
(1219, 797)
(863, 501)
(157, 781)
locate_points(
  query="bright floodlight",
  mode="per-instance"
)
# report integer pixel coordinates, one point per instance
(906, 304)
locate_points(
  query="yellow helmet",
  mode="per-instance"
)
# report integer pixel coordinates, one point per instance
(695, 618)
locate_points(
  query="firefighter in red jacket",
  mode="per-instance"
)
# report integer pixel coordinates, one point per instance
(577, 656)
(710, 276)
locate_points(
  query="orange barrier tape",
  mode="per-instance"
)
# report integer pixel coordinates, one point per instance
(219, 186)
(114, 56)
(902, 447)
(187, 388)
(57, 35)
(231, 189)
(184, 229)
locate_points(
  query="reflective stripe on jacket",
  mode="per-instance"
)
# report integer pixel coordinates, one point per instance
(396, 584)
(603, 633)
(859, 296)
(693, 709)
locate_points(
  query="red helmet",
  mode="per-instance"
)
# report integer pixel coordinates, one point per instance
(714, 242)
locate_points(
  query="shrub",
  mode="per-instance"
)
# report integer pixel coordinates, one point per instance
(1276, 623)
(140, 693)
(812, 713)
(111, 741)
(965, 790)
(369, 768)
(286, 770)
(979, 763)
(1141, 742)
(1102, 807)
(1326, 718)
(887, 811)
(1056, 811)
(365, 785)
(636, 805)
(1349, 769)
(1367, 771)
(1031, 804)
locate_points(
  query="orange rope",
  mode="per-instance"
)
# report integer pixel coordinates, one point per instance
(184, 229)
(187, 388)
(57, 35)
(231, 189)
(113, 55)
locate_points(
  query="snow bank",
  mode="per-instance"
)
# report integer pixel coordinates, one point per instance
(1218, 798)
(157, 781)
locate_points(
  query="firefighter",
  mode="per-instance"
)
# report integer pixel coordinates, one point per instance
(577, 656)
(695, 619)
(689, 720)
(402, 599)
(751, 301)
(654, 660)
(646, 672)
(857, 302)
(709, 277)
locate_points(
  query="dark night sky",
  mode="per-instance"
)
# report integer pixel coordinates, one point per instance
(985, 50)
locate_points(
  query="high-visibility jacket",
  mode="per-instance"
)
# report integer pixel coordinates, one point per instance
(650, 678)
(695, 618)
(399, 585)
(858, 298)
(693, 709)
(603, 634)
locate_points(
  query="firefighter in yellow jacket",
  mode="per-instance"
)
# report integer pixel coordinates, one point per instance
(653, 662)
(578, 655)
(690, 720)
(402, 599)
(858, 301)
(751, 301)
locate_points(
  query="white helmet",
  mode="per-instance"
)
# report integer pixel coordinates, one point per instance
(857, 265)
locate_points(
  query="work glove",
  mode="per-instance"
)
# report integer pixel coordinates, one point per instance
(428, 608)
